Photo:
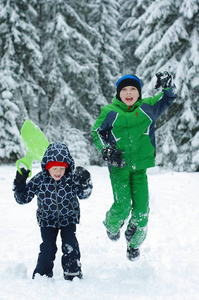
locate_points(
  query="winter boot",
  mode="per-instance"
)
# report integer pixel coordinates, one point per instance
(112, 236)
(71, 276)
(132, 253)
(50, 275)
(129, 233)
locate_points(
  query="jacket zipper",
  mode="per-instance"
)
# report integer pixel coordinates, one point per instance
(58, 221)
(129, 137)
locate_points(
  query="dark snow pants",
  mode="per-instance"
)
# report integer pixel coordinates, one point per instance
(131, 196)
(48, 248)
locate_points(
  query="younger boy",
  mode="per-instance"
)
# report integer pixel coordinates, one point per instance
(57, 187)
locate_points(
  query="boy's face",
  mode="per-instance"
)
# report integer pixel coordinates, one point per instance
(57, 172)
(129, 95)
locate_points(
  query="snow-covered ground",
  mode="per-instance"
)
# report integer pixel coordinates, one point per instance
(167, 269)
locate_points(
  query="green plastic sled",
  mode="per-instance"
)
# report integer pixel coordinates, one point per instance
(35, 143)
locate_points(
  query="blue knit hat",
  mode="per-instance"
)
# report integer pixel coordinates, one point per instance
(127, 80)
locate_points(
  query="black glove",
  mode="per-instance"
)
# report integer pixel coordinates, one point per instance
(21, 178)
(84, 183)
(164, 80)
(113, 156)
(82, 175)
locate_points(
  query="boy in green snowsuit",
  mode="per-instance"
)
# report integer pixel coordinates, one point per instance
(124, 134)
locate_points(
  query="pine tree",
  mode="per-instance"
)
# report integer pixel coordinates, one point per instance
(163, 35)
(104, 17)
(20, 71)
(187, 81)
(8, 36)
(59, 61)
(10, 141)
(71, 78)
(10, 98)
(26, 54)
(130, 28)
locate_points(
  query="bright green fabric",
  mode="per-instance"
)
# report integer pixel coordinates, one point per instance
(130, 191)
(131, 132)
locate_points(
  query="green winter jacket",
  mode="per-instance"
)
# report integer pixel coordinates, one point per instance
(132, 129)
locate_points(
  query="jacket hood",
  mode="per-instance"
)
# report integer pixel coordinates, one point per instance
(57, 152)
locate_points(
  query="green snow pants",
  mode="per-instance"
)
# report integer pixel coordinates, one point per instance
(130, 192)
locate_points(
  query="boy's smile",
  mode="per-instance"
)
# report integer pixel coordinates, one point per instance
(129, 99)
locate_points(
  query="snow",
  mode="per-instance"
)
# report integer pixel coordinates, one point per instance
(168, 267)
(6, 95)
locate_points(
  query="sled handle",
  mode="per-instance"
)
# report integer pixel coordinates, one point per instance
(27, 161)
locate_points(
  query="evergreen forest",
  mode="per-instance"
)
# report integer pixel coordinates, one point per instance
(60, 60)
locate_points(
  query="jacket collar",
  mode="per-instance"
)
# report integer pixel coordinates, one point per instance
(125, 107)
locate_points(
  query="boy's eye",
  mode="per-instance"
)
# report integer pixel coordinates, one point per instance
(132, 88)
